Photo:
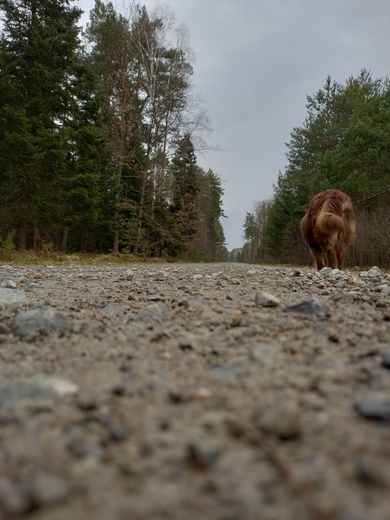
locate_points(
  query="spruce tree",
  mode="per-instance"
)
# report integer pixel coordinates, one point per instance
(37, 50)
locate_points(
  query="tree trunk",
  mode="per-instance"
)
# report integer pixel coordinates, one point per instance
(117, 199)
(22, 236)
(36, 237)
(140, 214)
(64, 240)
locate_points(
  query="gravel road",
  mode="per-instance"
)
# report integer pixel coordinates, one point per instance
(194, 392)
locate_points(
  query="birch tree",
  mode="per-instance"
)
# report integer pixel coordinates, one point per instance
(162, 75)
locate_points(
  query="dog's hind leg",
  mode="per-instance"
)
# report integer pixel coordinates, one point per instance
(317, 254)
(331, 255)
(341, 251)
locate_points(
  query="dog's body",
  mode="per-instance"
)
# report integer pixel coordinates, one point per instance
(329, 227)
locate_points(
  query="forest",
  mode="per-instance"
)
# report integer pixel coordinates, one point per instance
(99, 134)
(344, 143)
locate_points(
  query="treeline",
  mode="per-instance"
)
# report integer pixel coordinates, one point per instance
(343, 143)
(99, 132)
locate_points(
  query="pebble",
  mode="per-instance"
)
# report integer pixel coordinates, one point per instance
(14, 499)
(37, 388)
(201, 456)
(129, 275)
(161, 275)
(265, 299)
(118, 389)
(263, 353)
(35, 285)
(373, 410)
(114, 310)
(371, 470)
(202, 393)
(153, 312)
(186, 344)
(11, 296)
(310, 307)
(47, 489)
(281, 420)
(46, 318)
(386, 359)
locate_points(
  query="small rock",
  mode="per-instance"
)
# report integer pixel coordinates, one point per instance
(155, 298)
(114, 310)
(161, 275)
(374, 275)
(266, 299)
(153, 312)
(236, 319)
(281, 420)
(310, 307)
(10, 284)
(87, 404)
(373, 410)
(13, 499)
(47, 489)
(117, 433)
(264, 353)
(46, 318)
(125, 368)
(129, 275)
(177, 395)
(35, 285)
(202, 393)
(371, 470)
(201, 456)
(386, 359)
(118, 389)
(11, 296)
(186, 344)
(46, 387)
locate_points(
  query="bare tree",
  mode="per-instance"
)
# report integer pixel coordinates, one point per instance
(162, 75)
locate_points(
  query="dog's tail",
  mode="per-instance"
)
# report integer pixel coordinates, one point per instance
(330, 219)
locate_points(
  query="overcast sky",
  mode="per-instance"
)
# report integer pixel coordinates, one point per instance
(255, 63)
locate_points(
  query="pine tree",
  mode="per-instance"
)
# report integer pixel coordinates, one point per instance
(37, 48)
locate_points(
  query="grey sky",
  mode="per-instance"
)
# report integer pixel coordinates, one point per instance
(256, 61)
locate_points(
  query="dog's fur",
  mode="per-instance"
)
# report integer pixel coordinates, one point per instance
(329, 227)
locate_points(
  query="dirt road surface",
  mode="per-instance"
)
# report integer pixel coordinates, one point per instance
(189, 392)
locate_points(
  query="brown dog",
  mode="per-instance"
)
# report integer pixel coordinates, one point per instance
(329, 227)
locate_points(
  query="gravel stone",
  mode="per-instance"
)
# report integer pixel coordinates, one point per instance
(37, 320)
(281, 420)
(11, 296)
(373, 410)
(265, 299)
(310, 307)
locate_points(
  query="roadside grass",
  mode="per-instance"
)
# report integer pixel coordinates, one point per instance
(56, 257)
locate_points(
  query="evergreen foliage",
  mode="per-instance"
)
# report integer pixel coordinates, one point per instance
(96, 137)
